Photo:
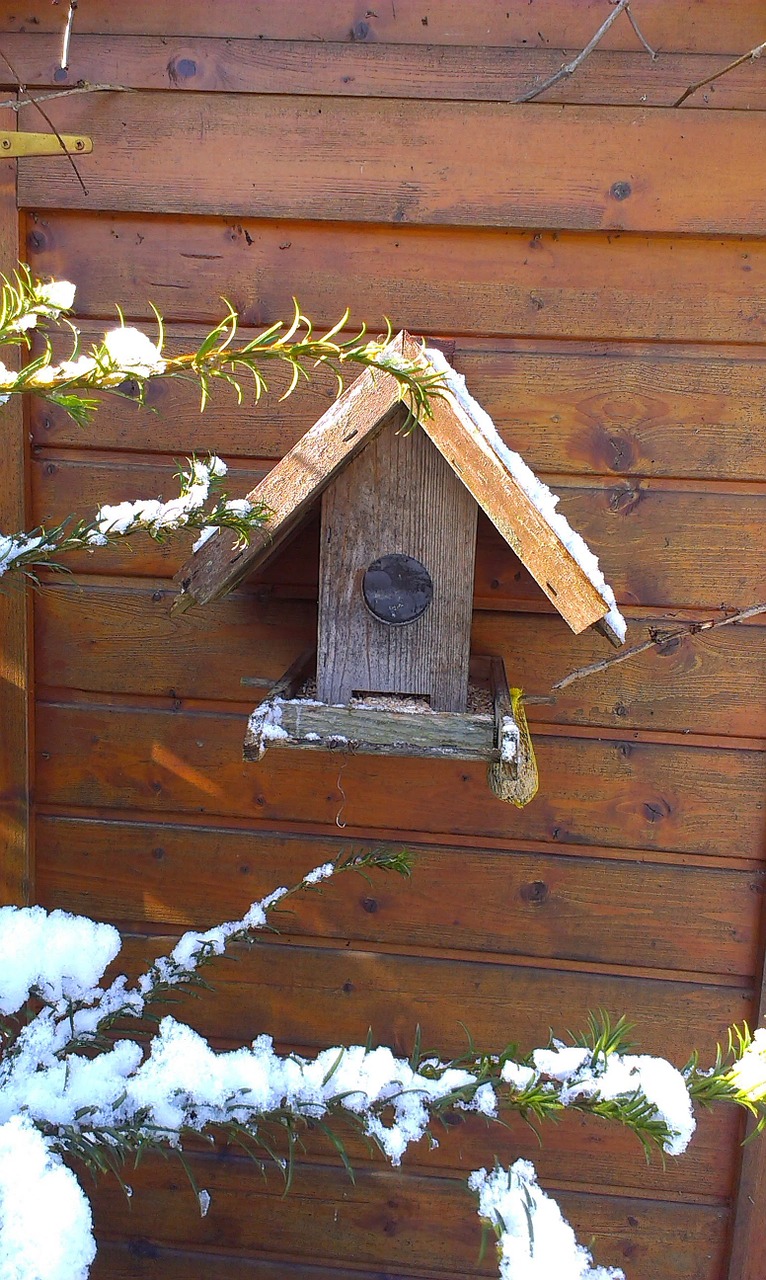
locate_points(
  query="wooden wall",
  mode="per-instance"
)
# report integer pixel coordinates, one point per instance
(599, 260)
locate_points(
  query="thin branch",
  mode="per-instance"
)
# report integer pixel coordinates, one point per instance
(652, 52)
(746, 57)
(661, 637)
(67, 35)
(569, 68)
(16, 104)
(23, 89)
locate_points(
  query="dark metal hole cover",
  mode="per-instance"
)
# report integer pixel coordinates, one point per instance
(397, 589)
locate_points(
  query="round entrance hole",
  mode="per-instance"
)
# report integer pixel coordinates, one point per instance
(397, 589)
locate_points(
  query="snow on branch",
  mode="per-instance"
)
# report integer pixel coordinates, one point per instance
(200, 505)
(69, 1088)
(127, 354)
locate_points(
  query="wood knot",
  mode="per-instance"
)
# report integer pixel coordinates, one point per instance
(535, 892)
(624, 500)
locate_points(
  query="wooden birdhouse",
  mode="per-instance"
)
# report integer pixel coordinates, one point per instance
(390, 671)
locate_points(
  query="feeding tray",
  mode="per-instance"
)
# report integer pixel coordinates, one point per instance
(492, 729)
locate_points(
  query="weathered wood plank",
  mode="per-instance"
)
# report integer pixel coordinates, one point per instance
(16, 862)
(661, 543)
(371, 69)
(288, 491)
(649, 795)
(421, 1225)
(480, 900)
(713, 27)
(432, 280)
(399, 496)
(376, 731)
(629, 411)
(513, 514)
(748, 1246)
(315, 996)
(389, 160)
(138, 1259)
(128, 642)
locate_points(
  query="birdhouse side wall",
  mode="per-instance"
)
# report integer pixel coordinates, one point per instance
(398, 497)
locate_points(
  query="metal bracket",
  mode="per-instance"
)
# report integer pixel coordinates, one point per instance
(15, 143)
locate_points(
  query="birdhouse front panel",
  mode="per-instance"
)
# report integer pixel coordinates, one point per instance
(398, 543)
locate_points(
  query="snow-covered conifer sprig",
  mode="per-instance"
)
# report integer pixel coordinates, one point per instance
(122, 1098)
(738, 1074)
(201, 504)
(26, 303)
(126, 354)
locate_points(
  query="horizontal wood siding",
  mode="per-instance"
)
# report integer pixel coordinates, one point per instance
(400, 161)
(598, 260)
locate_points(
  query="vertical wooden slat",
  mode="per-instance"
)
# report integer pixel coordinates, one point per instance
(15, 630)
(748, 1244)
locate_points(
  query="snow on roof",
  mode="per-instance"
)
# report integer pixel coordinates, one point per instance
(538, 493)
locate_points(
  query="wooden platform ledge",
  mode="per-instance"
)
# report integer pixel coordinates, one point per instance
(390, 726)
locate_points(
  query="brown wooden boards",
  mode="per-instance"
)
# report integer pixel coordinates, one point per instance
(390, 160)
(288, 491)
(628, 369)
(511, 902)
(128, 642)
(367, 68)
(613, 791)
(465, 281)
(423, 1226)
(370, 404)
(660, 543)
(16, 867)
(713, 27)
(572, 408)
(398, 498)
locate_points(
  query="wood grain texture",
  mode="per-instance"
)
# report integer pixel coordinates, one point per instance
(314, 996)
(508, 903)
(292, 486)
(747, 1259)
(389, 160)
(376, 731)
(714, 26)
(661, 544)
(139, 1259)
(423, 1226)
(399, 496)
(573, 409)
(128, 642)
(354, 68)
(649, 795)
(481, 280)
(452, 280)
(513, 513)
(16, 861)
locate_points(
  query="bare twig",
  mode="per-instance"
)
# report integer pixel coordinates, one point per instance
(751, 56)
(660, 637)
(652, 52)
(67, 35)
(569, 68)
(23, 89)
(16, 104)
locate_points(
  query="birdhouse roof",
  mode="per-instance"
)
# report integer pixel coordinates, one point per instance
(520, 506)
